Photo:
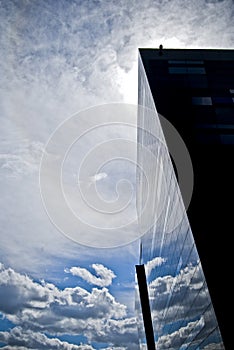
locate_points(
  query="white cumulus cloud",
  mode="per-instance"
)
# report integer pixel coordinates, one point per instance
(18, 338)
(151, 264)
(104, 275)
(42, 307)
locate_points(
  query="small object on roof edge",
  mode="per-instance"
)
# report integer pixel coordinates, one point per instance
(160, 49)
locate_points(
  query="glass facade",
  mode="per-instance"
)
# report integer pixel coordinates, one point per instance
(182, 313)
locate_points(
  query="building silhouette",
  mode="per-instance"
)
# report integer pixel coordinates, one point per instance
(185, 254)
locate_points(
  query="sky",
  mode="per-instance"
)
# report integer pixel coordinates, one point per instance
(67, 69)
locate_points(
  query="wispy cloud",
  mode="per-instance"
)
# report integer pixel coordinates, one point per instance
(98, 177)
(151, 264)
(22, 161)
(72, 57)
(104, 275)
(55, 61)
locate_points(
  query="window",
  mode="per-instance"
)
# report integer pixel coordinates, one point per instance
(177, 70)
(198, 81)
(176, 62)
(195, 62)
(199, 100)
(222, 100)
(204, 115)
(186, 67)
(187, 70)
(196, 70)
(226, 127)
(224, 114)
(227, 139)
(190, 63)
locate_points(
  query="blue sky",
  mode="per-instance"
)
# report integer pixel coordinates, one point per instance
(58, 59)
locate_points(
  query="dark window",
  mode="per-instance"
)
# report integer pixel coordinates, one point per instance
(200, 100)
(204, 114)
(189, 63)
(222, 100)
(227, 139)
(224, 115)
(198, 81)
(177, 70)
(186, 70)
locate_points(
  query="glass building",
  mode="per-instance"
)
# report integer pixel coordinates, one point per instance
(185, 254)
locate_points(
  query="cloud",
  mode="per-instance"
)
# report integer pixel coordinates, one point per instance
(183, 336)
(213, 346)
(124, 331)
(18, 338)
(192, 332)
(23, 161)
(98, 177)
(186, 287)
(54, 64)
(182, 305)
(19, 291)
(104, 279)
(42, 307)
(40, 300)
(150, 265)
(179, 301)
(67, 59)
